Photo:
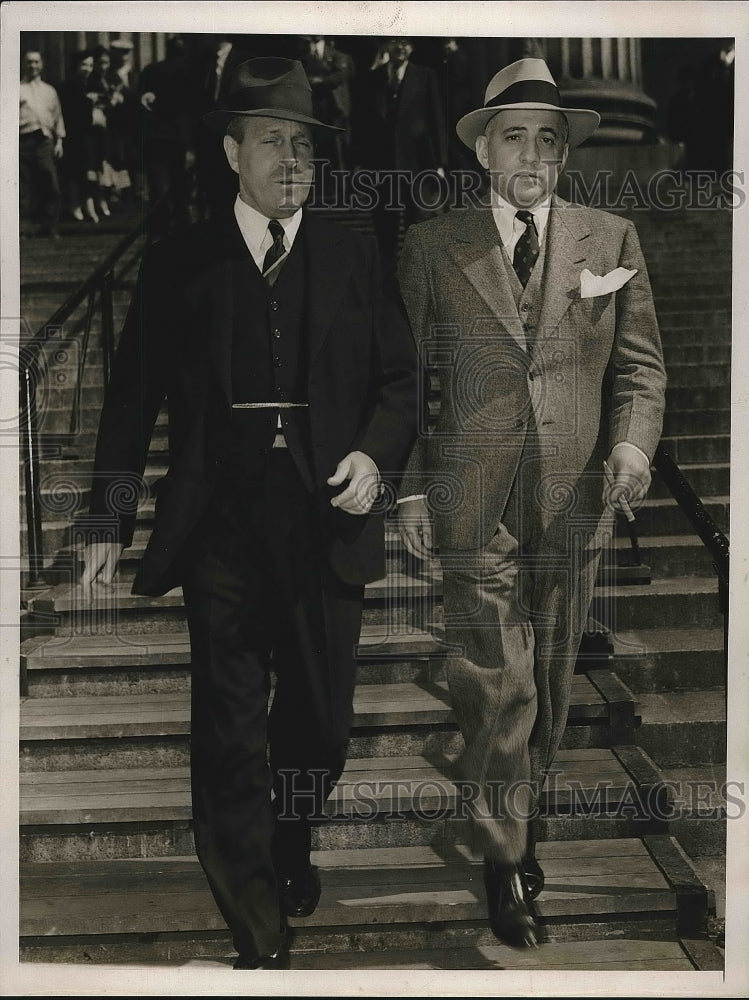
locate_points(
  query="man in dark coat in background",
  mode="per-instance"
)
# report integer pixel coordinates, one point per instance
(400, 128)
(287, 374)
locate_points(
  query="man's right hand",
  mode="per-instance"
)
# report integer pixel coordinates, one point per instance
(415, 527)
(99, 564)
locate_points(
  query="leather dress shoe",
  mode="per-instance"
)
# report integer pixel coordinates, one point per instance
(534, 876)
(280, 960)
(512, 916)
(299, 894)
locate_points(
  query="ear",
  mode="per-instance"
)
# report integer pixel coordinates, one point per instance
(482, 151)
(565, 154)
(231, 148)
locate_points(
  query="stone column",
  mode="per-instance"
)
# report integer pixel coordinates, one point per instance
(604, 74)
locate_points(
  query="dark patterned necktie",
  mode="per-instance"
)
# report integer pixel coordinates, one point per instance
(275, 254)
(526, 248)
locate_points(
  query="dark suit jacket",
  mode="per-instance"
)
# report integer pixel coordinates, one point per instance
(416, 139)
(177, 342)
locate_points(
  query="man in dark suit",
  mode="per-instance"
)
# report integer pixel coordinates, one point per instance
(400, 131)
(288, 374)
(217, 182)
(538, 317)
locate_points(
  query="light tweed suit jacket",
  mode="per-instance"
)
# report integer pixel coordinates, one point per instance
(586, 374)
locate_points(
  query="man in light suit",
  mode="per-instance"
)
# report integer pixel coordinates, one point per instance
(291, 388)
(550, 381)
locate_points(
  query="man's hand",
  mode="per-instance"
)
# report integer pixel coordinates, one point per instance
(57, 151)
(415, 527)
(364, 483)
(631, 477)
(99, 563)
(147, 99)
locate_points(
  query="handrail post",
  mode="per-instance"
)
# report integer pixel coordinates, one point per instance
(31, 473)
(107, 324)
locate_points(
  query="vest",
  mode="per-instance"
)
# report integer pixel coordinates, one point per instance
(269, 362)
(528, 299)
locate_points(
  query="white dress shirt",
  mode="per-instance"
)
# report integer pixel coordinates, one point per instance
(510, 228)
(254, 229)
(39, 108)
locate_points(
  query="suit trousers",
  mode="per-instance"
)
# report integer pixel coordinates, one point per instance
(515, 612)
(260, 598)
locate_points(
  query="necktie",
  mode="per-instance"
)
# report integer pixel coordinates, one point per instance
(526, 248)
(275, 254)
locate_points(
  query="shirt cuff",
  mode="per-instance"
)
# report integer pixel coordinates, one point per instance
(414, 496)
(628, 444)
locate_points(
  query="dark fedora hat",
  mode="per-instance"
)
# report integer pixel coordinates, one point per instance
(268, 87)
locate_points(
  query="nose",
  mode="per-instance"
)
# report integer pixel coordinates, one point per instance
(529, 153)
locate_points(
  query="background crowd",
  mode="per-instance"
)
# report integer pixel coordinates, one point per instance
(107, 136)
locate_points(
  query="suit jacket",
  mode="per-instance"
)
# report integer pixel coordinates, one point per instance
(415, 139)
(177, 343)
(590, 377)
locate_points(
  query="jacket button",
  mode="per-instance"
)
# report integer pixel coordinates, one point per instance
(277, 362)
(276, 334)
(519, 425)
(274, 305)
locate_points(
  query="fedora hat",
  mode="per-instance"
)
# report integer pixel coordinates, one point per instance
(525, 84)
(268, 87)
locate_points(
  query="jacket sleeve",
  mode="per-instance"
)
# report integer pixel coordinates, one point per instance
(636, 370)
(389, 429)
(136, 390)
(413, 278)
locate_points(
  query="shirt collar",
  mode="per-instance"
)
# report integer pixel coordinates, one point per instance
(254, 227)
(504, 217)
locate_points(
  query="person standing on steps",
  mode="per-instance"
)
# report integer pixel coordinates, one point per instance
(537, 316)
(291, 387)
(40, 142)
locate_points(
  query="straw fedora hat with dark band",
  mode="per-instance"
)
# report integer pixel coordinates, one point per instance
(527, 84)
(268, 87)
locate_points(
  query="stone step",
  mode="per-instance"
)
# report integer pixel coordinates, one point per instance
(681, 728)
(154, 663)
(667, 555)
(396, 601)
(663, 516)
(406, 718)
(689, 398)
(670, 659)
(702, 420)
(696, 448)
(700, 353)
(388, 801)
(682, 374)
(374, 901)
(704, 800)
(706, 479)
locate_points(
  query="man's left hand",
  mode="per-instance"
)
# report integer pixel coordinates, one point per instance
(631, 480)
(364, 483)
(57, 151)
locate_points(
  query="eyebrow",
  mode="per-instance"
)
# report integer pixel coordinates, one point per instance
(524, 128)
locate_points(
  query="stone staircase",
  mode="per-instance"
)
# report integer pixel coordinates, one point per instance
(632, 848)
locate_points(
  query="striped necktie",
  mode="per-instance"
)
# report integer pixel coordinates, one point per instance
(275, 254)
(526, 248)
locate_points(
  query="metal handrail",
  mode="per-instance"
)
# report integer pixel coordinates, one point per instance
(711, 536)
(101, 282)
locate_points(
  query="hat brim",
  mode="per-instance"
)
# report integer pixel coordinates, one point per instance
(582, 121)
(218, 120)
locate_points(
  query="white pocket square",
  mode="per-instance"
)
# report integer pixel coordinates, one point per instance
(595, 284)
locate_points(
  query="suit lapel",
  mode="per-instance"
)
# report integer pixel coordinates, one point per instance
(566, 252)
(328, 267)
(477, 249)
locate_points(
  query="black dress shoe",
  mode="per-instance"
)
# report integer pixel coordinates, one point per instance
(534, 876)
(299, 894)
(278, 961)
(511, 914)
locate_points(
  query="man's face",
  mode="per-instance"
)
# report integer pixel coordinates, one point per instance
(32, 64)
(400, 50)
(525, 152)
(274, 165)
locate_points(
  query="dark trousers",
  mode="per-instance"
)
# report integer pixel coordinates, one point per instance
(40, 185)
(260, 598)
